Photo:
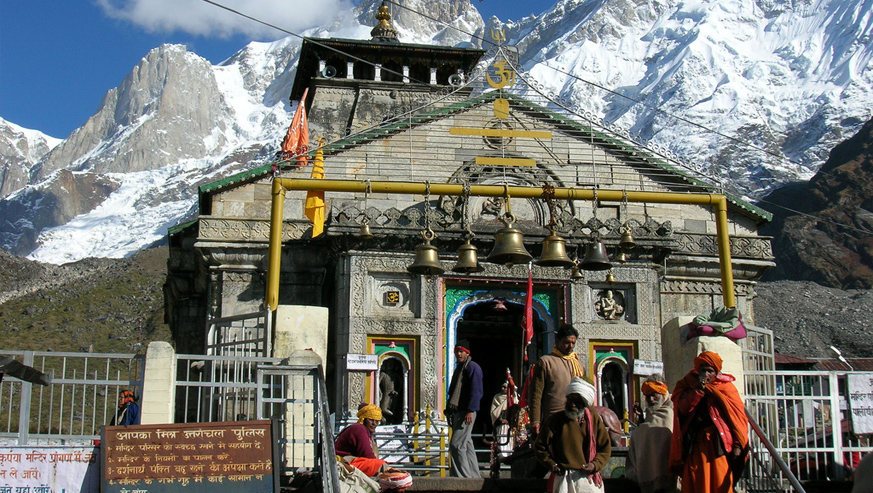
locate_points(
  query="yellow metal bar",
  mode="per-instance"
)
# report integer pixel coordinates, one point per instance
(505, 161)
(716, 201)
(501, 132)
(275, 260)
(724, 252)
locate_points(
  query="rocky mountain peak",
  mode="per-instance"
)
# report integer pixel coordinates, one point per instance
(823, 229)
(20, 150)
(753, 94)
(167, 109)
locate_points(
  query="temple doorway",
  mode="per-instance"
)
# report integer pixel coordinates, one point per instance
(494, 330)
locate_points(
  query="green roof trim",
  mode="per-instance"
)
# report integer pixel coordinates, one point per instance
(393, 128)
(180, 227)
(245, 176)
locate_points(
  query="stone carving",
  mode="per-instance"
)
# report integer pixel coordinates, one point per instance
(610, 305)
(248, 229)
(741, 246)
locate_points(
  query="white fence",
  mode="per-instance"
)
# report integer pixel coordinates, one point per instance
(82, 397)
(807, 419)
(246, 335)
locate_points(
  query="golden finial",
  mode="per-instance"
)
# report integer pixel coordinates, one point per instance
(384, 31)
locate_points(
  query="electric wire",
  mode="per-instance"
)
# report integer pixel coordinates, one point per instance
(545, 64)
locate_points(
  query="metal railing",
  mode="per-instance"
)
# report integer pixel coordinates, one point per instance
(230, 388)
(806, 421)
(766, 466)
(245, 335)
(220, 388)
(82, 397)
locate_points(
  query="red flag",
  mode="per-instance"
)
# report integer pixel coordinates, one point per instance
(296, 141)
(528, 310)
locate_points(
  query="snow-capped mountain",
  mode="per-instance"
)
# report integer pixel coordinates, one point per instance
(20, 150)
(755, 92)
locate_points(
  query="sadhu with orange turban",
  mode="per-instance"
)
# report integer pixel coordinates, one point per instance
(710, 440)
(648, 457)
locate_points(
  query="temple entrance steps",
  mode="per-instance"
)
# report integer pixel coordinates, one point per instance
(426, 485)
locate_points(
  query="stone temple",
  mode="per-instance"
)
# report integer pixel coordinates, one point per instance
(388, 112)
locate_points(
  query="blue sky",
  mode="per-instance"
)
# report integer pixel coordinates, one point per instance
(58, 58)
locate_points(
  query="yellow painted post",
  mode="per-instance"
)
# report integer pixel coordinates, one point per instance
(444, 459)
(275, 261)
(415, 431)
(716, 201)
(428, 441)
(724, 253)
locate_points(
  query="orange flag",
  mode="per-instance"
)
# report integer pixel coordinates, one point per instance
(314, 208)
(296, 141)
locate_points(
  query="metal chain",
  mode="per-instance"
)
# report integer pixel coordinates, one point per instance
(427, 206)
(549, 197)
(464, 222)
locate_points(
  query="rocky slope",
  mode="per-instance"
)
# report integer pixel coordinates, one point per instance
(823, 229)
(806, 318)
(95, 305)
(116, 305)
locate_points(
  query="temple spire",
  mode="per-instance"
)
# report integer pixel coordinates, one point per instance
(384, 31)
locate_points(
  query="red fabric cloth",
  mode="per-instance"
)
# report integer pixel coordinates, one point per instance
(721, 406)
(592, 447)
(355, 441)
(528, 311)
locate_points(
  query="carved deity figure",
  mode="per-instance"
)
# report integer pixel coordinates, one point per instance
(607, 307)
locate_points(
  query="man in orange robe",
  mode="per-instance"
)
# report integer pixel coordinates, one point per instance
(710, 441)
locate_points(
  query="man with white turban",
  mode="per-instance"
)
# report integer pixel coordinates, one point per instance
(356, 444)
(575, 444)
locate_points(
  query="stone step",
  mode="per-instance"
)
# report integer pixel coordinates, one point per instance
(424, 484)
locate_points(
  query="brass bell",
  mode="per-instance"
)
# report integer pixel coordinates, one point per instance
(364, 232)
(509, 246)
(427, 257)
(468, 259)
(621, 257)
(627, 240)
(609, 277)
(576, 273)
(554, 252)
(596, 257)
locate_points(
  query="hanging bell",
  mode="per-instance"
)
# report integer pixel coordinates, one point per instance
(468, 259)
(554, 252)
(509, 246)
(596, 257)
(364, 232)
(627, 240)
(576, 273)
(427, 257)
(621, 257)
(609, 277)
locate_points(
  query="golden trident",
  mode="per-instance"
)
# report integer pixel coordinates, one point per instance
(498, 35)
